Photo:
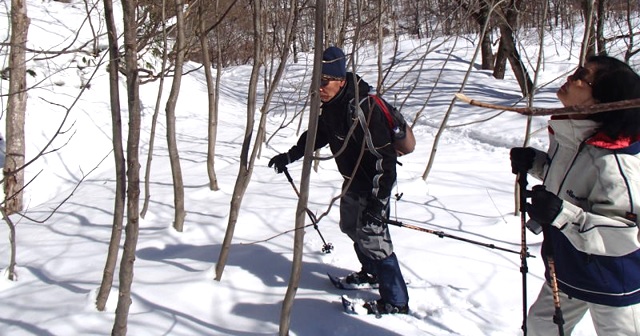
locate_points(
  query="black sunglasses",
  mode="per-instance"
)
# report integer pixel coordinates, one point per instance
(581, 73)
(324, 80)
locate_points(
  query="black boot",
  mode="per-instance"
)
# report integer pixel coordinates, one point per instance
(380, 307)
(359, 278)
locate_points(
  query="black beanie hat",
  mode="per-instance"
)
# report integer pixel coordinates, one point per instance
(334, 63)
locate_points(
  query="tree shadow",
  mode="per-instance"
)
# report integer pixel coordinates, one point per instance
(24, 326)
(306, 315)
(272, 268)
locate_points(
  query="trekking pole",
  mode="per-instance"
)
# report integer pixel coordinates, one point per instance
(557, 315)
(548, 252)
(442, 234)
(326, 247)
(522, 183)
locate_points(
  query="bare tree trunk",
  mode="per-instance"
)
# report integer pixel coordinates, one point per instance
(500, 66)
(344, 22)
(520, 71)
(154, 118)
(527, 132)
(486, 50)
(244, 171)
(630, 25)
(415, 20)
(16, 108)
(118, 154)
(294, 38)
(600, 40)
(246, 161)
(133, 168)
(508, 51)
(394, 59)
(170, 111)
(217, 83)
(11, 269)
(95, 41)
(298, 245)
(587, 40)
(212, 93)
(507, 42)
(445, 119)
(479, 11)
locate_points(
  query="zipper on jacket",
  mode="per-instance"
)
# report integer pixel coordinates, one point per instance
(630, 215)
(573, 162)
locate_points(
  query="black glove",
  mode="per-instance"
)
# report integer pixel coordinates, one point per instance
(544, 207)
(279, 162)
(375, 211)
(521, 159)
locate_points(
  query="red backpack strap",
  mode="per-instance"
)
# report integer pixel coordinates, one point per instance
(384, 108)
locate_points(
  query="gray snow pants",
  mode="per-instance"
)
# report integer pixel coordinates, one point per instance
(373, 241)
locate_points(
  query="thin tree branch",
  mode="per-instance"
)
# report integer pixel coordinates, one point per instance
(542, 111)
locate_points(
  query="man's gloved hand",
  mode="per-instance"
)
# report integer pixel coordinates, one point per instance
(375, 211)
(279, 162)
(521, 159)
(544, 207)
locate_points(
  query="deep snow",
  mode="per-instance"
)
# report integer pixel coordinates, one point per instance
(456, 288)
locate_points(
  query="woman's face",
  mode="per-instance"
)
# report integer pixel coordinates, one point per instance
(577, 89)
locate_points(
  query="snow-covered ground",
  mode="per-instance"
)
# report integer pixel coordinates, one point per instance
(456, 288)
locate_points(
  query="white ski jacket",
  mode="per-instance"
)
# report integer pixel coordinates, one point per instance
(595, 237)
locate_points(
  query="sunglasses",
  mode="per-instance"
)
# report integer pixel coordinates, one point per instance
(324, 81)
(581, 73)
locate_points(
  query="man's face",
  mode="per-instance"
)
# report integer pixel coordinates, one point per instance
(329, 88)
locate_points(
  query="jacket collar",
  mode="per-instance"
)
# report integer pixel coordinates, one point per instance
(621, 143)
(573, 132)
(570, 132)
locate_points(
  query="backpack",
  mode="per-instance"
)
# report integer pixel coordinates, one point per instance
(403, 139)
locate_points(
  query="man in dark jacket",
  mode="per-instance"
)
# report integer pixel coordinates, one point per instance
(358, 135)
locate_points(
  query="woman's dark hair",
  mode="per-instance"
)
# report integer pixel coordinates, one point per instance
(614, 80)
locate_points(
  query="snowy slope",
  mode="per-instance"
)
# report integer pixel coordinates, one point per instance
(456, 288)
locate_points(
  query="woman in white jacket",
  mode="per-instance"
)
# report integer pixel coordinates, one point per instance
(589, 205)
